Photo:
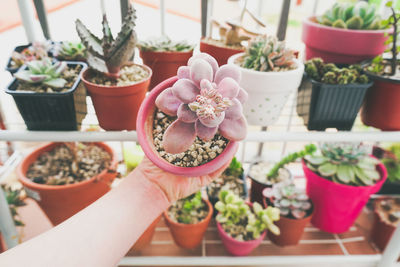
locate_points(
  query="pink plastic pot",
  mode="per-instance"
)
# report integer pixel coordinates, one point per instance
(144, 128)
(341, 45)
(337, 206)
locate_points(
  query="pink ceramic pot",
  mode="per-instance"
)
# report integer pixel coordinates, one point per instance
(341, 45)
(337, 206)
(144, 128)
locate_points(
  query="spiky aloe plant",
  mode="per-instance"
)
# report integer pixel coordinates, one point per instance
(70, 51)
(345, 163)
(43, 71)
(164, 44)
(266, 53)
(242, 222)
(359, 16)
(108, 55)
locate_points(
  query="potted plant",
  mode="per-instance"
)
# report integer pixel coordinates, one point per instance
(164, 57)
(116, 85)
(64, 178)
(50, 95)
(386, 219)
(189, 125)
(264, 174)
(390, 157)
(232, 179)
(323, 91)
(381, 109)
(71, 51)
(340, 180)
(270, 73)
(26, 53)
(295, 208)
(188, 220)
(242, 226)
(340, 35)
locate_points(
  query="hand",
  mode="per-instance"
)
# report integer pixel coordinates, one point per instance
(174, 186)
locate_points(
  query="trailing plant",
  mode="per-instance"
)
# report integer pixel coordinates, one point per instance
(189, 210)
(292, 201)
(164, 44)
(70, 51)
(108, 55)
(266, 53)
(345, 163)
(358, 16)
(329, 73)
(43, 71)
(242, 222)
(206, 99)
(15, 198)
(37, 51)
(308, 150)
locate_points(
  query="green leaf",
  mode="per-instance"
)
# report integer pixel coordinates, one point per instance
(345, 173)
(327, 169)
(56, 83)
(315, 159)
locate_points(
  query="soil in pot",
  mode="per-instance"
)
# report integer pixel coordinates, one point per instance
(129, 74)
(387, 218)
(198, 154)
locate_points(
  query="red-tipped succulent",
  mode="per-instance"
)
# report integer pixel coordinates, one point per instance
(205, 99)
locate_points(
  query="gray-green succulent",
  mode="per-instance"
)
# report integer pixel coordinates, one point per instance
(345, 163)
(164, 44)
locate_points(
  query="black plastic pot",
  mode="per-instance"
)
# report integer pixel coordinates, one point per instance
(52, 111)
(18, 49)
(329, 105)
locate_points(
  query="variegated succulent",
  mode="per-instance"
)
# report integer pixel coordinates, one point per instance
(108, 55)
(70, 51)
(37, 51)
(345, 163)
(43, 71)
(206, 99)
(266, 53)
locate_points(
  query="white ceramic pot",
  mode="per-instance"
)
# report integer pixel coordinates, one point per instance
(268, 92)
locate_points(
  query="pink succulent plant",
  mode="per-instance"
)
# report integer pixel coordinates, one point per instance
(206, 99)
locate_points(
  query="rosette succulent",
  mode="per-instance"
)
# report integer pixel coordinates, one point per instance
(37, 51)
(70, 51)
(206, 99)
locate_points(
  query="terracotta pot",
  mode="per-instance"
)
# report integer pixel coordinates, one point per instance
(117, 106)
(189, 235)
(381, 107)
(60, 202)
(381, 232)
(2, 244)
(145, 239)
(145, 136)
(220, 53)
(164, 64)
(341, 45)
(337, 206)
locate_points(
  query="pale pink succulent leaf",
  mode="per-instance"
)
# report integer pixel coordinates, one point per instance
(233, 129)
(228, 87)
(199, 70)
(183, 72)
(206, 84)
(185, 90)
(211, 60)
(212, 121)
(185, 114)
(178, 137)
(235, 111)
(203, 132)
(242, 96)
(167, 102)
(231, 71)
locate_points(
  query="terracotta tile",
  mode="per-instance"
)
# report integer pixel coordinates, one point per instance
(361, 248)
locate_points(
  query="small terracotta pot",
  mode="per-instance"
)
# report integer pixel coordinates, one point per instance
(117, 106)
(381, 107)
(145, 136)
(381, 232)
(189, 235)
(60, 202)
(145, 239)
(220, 53)
(164, 64)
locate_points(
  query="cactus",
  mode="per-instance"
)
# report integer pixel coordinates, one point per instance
(242, 222)
(43, 71)
(165, 44)
(108, 55)
(291, 201)
(359, 16)
(329, 73)
(37, 51)
(206, 99)
(70, 51)
(345, 163)
(266, 53)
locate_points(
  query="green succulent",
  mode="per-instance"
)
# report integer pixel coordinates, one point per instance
(235, 168)
(242, 222)
(14, 199)
(190, 203)
(345, 163)
(70, 51)
(359, 16)
(164, 43)
(392, 162)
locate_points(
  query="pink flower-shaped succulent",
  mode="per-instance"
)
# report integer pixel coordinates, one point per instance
(206, 99)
